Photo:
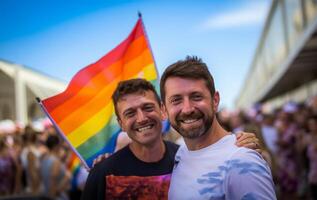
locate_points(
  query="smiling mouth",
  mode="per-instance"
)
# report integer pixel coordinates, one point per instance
(191, 118)
(189, 121)
(144, 128)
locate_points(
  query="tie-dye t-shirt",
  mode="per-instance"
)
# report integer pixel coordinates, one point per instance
(124, 176)
(221, 171)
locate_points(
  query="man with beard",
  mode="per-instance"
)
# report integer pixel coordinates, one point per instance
(209, 166)
(142, 169)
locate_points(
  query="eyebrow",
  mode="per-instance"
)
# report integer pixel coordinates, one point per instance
(127, 110)
(148, 104)
(197, 92)
(132, 109)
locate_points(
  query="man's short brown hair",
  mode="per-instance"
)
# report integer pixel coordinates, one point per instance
(132, 86)
(190, 68)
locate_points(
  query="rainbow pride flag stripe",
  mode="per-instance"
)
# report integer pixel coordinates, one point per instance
(84, 113)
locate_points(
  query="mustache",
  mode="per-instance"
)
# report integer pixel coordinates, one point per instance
(194, 115)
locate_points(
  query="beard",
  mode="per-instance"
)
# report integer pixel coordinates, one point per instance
(193, 132)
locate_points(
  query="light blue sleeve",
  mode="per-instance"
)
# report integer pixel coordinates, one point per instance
(249, 177)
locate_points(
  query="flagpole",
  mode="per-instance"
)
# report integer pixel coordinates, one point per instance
(60, 132)
(148, 43)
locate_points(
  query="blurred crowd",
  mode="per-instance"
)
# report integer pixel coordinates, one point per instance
(289, 138)
(39, 163)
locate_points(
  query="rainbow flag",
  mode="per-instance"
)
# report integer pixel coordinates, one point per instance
(74, 163)
(74, 167)
(83, 114)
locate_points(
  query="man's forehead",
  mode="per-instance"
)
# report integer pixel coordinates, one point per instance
(138, 94)
(190, 84)
(137, 99)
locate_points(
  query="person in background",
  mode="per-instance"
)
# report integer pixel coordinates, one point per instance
(30, 159)
(269, 133)
(9, 175)
(56, 178)
(312, 155)
(287, 165)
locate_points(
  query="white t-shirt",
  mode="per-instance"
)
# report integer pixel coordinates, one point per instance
(220, 171)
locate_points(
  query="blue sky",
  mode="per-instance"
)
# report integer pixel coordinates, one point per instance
(59, 37)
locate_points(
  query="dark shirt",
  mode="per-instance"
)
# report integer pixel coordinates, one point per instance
(124, 176)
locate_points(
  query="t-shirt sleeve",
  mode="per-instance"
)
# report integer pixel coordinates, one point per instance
(248, 177)
(95, 185)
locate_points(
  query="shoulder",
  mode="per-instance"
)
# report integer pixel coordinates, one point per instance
(95, 183)
(171, 149)
(172, 146)
(249, 155)
(248, 161)
(105, 166)
(248, 174)
(98, 172)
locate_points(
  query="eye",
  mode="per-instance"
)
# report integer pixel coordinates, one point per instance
(197, 97)
(129, 114)
(175, 100)
(148, 108)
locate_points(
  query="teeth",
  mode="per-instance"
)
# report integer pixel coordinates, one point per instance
(188, 121)
(144, 128)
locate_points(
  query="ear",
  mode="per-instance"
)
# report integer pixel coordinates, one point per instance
(121, 124)
(163, 112)
(216, 101)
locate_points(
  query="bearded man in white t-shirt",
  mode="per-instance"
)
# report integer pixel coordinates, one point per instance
(209, 166)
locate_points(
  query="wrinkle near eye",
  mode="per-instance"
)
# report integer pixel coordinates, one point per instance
(175, 100)
(129, 113)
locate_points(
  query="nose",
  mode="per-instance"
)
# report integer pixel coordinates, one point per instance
(141, 117)
(187, 106)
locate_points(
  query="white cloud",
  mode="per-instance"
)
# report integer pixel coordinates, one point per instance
(247, 15)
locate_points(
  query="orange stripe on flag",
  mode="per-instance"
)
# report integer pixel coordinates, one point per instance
(97, 82)
(136, 48)
(87, 94)
(135, 66)
(76, 118)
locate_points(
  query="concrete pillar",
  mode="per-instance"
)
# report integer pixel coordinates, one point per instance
(20, 97)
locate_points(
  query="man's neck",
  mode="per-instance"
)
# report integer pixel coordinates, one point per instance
(215, 133)
(150, 153)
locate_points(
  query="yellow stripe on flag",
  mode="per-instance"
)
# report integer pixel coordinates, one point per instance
(85, 112)
(91, 126)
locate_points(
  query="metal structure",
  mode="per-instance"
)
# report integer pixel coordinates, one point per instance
(284, 67)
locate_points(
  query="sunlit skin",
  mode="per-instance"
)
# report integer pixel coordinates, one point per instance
(140, 116)
(191, 110)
